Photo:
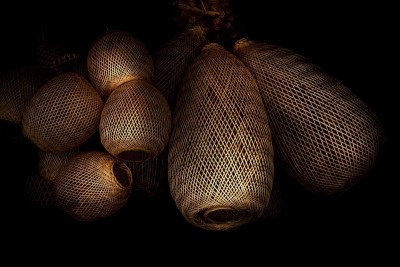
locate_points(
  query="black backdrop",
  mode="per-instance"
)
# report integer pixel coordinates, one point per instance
(355, 44)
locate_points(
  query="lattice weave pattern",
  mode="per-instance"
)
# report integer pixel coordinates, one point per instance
(63, 114)
(93, 185)
(221, 157)
(39, 191)
(326, 136)
(173, 59)
(136, 122)
(55, 58)
(118, 57)
(51, 163)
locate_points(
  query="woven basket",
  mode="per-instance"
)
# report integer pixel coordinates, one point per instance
(55, 58)
(51, 163)
(326, 137)
(221, 158)
(63, 114)
(118, 57)
(92, 186)
(173, 59)
(150, 175)
(136, 122)
(17, 87)
(39, 191)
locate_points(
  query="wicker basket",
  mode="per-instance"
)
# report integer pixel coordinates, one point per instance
(136, 122)
(220, 158)
(171, 62)
(118, 57)
(326, 137)
(92, 186)
(17, 87)
(51, 163)
(63, 114)
(39, 192)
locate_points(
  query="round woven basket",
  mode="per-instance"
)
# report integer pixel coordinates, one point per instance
(173, 59)
(325, 136)
(51, 163)
(115, 58)
(220, 158)
(39, 191)
(17, 87)
(92, 186)
(63, 114)
(136, 122)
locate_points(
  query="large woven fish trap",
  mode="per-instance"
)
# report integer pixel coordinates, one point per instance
(220, 158)
(326, 137)
(92, 186)
(115, 58)
(17, 87)
(173, 59)
(63, 114)
(150, 175)
(136, 122)
(39, 192)
(51, 163)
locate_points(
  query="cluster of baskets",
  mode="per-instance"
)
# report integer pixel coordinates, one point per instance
(216, 120)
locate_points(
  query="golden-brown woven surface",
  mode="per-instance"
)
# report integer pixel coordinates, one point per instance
(115, 58)
(92, 186)
(39, 192)
(136, 122)
(220, 158)
(17, 87)
(51, 163)
(63, 114)
(173, 59)
(326, 136)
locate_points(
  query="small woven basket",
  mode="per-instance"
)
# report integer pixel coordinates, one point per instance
(63, 114)
(92, 186)
(51, 163)
(115, 58)
(327, 137)
(136, 122)
(220, 158)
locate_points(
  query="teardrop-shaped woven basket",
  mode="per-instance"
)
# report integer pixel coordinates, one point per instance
(39, 192)
(117, 57)
(326, 137)
(92, 186)
(173, 59)
(51, 163)
(221, 158)
(136, 122)
(63, 114)
(17, 87)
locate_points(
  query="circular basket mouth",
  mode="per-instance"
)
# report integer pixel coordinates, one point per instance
(223, 218)
(122, 174)
(10, 129)
(134, 155)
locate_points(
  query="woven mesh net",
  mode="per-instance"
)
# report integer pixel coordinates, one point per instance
(92, 186)
(173, 59)
(55, 58)
(17, 87)
(39, 191)
(326, 137)
(150, 175)
(136, 122)
(118, 57)
(63, 114)
(220, 153)
(51, 163)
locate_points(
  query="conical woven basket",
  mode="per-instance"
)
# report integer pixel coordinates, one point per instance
(63, 114)
(17, 87)
(115, 58)
(221, 158)
(92, 186)
(51, 163)
(173, 59)
(136, 122)
(39, 191)
(326, 137)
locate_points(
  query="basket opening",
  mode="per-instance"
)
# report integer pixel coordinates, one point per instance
(134, 155)
(224, 215)
(10, 129)
(122, 174)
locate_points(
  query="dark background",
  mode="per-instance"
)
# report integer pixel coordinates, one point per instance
(355, 44)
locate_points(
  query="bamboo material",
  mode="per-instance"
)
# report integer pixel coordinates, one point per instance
(326, 137)
(51, 163)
